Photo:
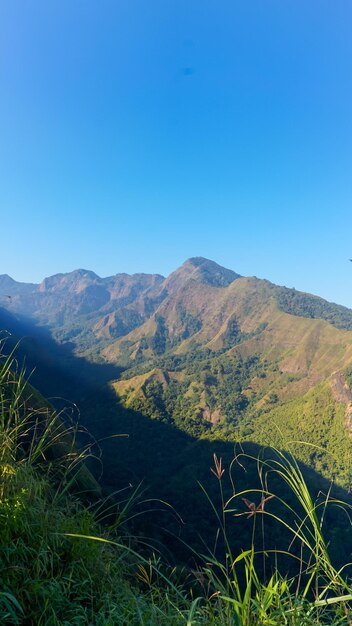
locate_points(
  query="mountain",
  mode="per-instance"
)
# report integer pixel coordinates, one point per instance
(92, 311)
(82, 307)
(209, 352)
(245, 368)
(201, 271)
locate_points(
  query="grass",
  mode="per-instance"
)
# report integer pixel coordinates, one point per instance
(60, 566)
(317, 593)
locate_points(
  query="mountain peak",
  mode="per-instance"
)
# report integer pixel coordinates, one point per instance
(196, 261)
(204, 271)
(6, 278)
(74, 280)
(12, 287)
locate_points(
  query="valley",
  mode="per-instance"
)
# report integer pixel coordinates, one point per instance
(206, 351)
(164, 373)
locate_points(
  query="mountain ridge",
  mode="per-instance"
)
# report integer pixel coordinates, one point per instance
(95, 312)
(194, 262)
(206, 350)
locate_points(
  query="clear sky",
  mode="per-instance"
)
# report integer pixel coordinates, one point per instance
(137, 133)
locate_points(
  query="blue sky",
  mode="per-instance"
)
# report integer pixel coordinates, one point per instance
(135, 134)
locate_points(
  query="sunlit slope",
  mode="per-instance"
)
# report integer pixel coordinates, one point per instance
(208, 351)
(250, 371)
(128, 318)
(244, 316)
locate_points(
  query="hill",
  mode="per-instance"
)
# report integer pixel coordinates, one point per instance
(68, 556)
(204, 350)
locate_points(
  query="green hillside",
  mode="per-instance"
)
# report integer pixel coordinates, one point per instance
(70, 556)
(205, 351)
(246, 372)
(203, 363)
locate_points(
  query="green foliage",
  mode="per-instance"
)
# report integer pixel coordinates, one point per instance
(223, 395)
(190, 324)
(307, 305)
(206, 383)
(57, 579)
(313, 418)
(318, 593)
(60, 566)
(160, 340)
(348, 376)
(46, 577)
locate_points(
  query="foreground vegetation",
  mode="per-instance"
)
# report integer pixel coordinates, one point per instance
(66, 556)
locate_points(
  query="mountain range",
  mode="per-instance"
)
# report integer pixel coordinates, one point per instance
(210, 352)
